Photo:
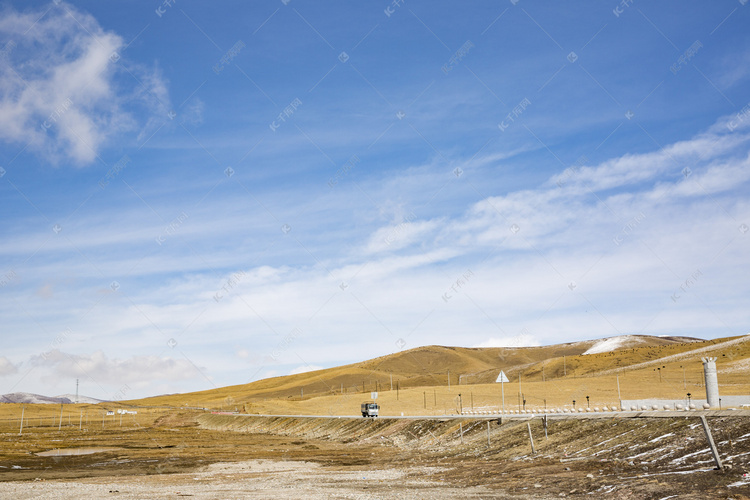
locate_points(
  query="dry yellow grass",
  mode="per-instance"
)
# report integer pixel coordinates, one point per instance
(74, 416)
(653, 367)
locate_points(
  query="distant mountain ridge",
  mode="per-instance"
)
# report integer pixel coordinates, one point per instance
(29, 398)
(81, 399)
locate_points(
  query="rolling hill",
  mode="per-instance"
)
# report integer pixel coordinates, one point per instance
(29, 398)
(440, 367)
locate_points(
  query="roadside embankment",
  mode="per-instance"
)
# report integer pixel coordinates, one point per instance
(675, 443)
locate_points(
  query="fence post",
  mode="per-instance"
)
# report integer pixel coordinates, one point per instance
(531, 438)
(710, 439)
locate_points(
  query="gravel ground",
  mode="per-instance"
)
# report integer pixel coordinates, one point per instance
(255, 479)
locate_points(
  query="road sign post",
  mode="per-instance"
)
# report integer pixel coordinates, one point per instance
(502, 378)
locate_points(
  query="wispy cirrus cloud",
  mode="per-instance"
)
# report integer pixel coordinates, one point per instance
(598, 255)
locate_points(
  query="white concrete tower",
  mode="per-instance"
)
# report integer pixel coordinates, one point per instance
(712, 381)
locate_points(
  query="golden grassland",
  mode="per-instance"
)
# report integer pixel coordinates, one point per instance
(51, 417)
(416, 382)
(177, 434)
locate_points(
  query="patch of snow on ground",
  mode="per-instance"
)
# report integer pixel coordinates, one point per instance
(649, 452)
(742, 365)
(661, 437)
(682, 458)
(739, 483)
(692, 471)
(613, 343)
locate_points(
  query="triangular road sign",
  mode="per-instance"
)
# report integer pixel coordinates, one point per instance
(502, 377)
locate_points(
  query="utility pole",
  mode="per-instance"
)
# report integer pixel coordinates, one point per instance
(619, 397)
(684, 382)
(59, 427)
(391, 381)
(710, 440)
(531, 439)
(23, 409)
(502, 388)
(424, 394)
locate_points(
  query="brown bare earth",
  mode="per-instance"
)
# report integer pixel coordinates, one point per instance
(232, 456)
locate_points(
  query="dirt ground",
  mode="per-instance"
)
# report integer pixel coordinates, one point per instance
(218, 456)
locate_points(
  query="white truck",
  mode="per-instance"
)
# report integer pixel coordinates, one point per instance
(370, 409)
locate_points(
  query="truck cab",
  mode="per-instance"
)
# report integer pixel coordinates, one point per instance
(370, 409)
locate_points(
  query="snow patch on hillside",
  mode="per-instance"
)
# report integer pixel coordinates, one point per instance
(28, 398)
(613, 343)
(81, 399)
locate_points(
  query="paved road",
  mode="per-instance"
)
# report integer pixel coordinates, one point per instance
(610, 414)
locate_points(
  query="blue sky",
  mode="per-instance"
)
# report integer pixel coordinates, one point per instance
(197, 195)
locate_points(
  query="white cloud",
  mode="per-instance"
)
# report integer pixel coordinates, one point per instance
(100, 369)
(6, 367)
(734, 69)
(192, 112)
(522, 340)
(397, 236)
(625, 266)
(305, 369)
(58, 91)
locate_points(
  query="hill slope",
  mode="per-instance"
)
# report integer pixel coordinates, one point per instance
(28, 398)
(439, 366)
